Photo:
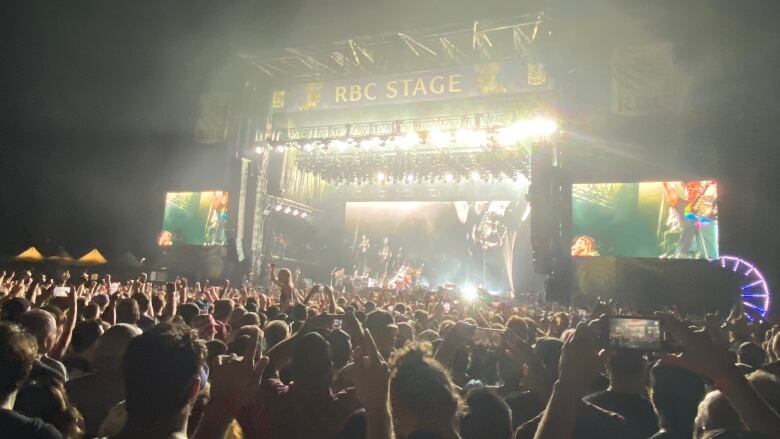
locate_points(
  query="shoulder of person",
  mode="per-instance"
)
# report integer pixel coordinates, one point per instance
(15, 424)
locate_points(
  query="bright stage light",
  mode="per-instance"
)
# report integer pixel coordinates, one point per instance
(278, 208)
(471, 138)
(407, 140)
(295, 212)
(287, 209)
(511, 135)
(469, 293)
(380, 177)
(475, 176)
(449, 177)
(259, 149)
(308, 147)
(410, 178)
(542, 127)
(304, 214)
(337, 144)
(279, 148)
(368, 144)
(439, 138)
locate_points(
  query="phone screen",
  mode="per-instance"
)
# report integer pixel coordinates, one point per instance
(447, 307)
(487, 337)
(61, 291)
(635, 333)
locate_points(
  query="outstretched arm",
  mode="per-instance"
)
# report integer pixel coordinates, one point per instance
(703, 356)
(579, 366)
(70, 323)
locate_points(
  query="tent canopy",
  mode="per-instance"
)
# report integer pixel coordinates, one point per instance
(30, 255)
(93, 257)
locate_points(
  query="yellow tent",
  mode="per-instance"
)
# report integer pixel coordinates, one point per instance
(93, 258)
(30, 255)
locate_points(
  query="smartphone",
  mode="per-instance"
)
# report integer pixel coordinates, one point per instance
(487, 336)
(61, 291)
(639, 333)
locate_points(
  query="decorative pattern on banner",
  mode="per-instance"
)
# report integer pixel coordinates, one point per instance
(469, 81)
(214, 118)
(645, 79)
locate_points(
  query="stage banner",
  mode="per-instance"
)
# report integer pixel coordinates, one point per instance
(465, 81)
(214, 118)
(645, 79)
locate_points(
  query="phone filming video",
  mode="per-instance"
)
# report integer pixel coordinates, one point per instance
(635, 333)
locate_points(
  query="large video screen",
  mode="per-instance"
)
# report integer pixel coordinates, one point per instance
(468, 244)
(194, 218)
(670, 219)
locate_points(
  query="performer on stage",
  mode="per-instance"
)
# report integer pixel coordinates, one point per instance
(361, 259)
(385, 255)
(695, 215)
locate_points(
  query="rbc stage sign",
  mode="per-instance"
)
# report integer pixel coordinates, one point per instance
(466, 81)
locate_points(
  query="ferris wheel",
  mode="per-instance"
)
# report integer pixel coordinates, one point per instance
(754, 290)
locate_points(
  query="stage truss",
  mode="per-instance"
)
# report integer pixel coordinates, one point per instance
(485, 147)
(460, 43)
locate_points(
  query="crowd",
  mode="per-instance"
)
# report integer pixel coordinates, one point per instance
(82, 357)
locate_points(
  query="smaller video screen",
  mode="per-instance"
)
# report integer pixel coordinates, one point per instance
(666, 220)
(631, 333)
(194, 218)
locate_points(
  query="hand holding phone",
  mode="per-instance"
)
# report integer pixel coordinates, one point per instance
(639, 333)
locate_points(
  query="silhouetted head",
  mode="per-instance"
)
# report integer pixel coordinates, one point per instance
(18, 350)
(42, 326)
(161, 368)
(488, 416)
(676, 394)
(311, 363)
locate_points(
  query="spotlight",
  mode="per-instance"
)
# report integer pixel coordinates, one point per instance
(295, 212)
(259, 149)
(449, 177)
(308, 147)
(469, 293)
(439, 138)
(543, 127)
(380, 177)
(475, 176)
(472, 138)
(511, 135)
(408, 140)
(304, 214)
(410, 178)
(337, 144)
(279, 148)
(287, 209)
(278, 208)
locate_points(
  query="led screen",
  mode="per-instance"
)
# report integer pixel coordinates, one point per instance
(671, 219)
(194, 218)
(468, 244)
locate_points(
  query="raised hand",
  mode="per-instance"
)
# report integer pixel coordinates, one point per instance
(371, 374)
(580, 362)
(234, 382)
(701, 354)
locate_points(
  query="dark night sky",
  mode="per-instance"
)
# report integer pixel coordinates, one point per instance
(99, 98)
